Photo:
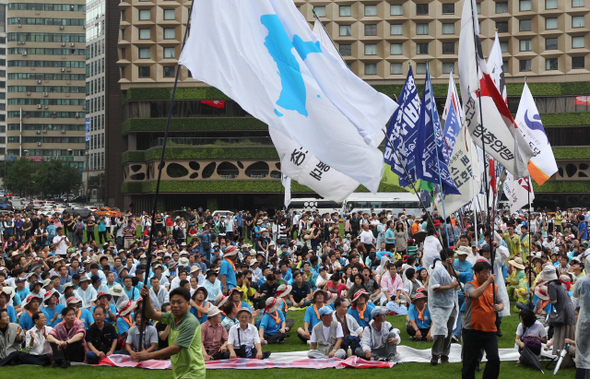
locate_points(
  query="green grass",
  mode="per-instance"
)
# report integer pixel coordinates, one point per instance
(426, 371)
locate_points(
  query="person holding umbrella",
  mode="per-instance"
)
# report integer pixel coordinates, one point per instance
(581, 291)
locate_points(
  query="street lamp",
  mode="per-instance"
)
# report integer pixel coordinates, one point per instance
(86, 183)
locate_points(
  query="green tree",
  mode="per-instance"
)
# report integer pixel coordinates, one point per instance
(54, 177)
(20, 176)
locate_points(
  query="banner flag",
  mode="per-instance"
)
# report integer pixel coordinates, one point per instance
(517, 192)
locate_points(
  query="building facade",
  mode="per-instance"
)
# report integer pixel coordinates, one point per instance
(2, 81)
(219, 156)
(46, 91)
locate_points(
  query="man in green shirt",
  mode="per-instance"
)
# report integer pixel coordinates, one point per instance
(184, 338)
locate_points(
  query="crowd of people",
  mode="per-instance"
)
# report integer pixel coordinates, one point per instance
(66, 297)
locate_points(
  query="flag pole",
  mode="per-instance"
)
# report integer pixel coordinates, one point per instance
(328, 34)
(160, 168)
(442, 191)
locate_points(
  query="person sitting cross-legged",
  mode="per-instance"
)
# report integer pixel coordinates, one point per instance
(214, 336)
(418, 326)
(361, 308)
(326, 337)
(67, 339)
(243, 339)
(150, 337)
(272, 327)
(101, 337)
(380, 339)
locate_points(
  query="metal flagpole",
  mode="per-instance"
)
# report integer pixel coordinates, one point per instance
(529, 222)
(160, 168)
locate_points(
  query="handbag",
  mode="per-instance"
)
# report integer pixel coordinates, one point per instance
(555, 319)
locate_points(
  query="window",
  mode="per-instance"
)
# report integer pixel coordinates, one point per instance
(371, 49)
(551, 64)
(396, 10)
(345, 30)
(504, 46)
(550, 4)
(578, 62)
(421, 68)
(526, 45)
(370, 10)
(144, 71)
(577, 3)
(345, 11)
(422, 29)
(501, 7)
(502, 26)
(448, 47)
(320, 11)
(448, 28)
(526, 25)
(422, 48)
(169, 52)
(370, 69)
(578, 42)
(397, 30)
(169, 71)
(551, 23)
(478, 6)
(578, 22)
(448, 8)
(551, 44)
(397, 49)
(144, 34)
(345, 50)
(448, 67)
(371, 30)
(144, 53)
(421, 9)
(169, 14)
(144, 15)
(525, 5)
(396, 69)
(169, 33)
(123, 15)
(526, 65)
(505, 66)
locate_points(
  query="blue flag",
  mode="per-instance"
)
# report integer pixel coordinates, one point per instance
(402, 133)
(452, 128)
(429, 150)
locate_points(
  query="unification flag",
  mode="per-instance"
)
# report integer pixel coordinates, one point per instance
(263, 55)
(326, 41)
(452, 121)
(430, 161)
(302, 166)
(286, 182)
(468, 39)
(542, 166)
(518, 191)
(400, 147)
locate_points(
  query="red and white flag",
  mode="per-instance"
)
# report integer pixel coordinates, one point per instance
(518, 191)
(220, 104)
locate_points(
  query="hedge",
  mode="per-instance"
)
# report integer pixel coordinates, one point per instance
(565, 119)
(192, 124)
(440, 90)
(229, 186)
(571, 153)
(562, 187)
(201, 153)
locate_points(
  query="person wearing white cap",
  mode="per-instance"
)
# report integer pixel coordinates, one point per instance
(31, 306)
(227, 270)
(581, 291)
(326, 337)
(214, 336)
(380, 339)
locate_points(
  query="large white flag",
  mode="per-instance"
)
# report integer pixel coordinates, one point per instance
(468, 77)
(517, 191)
(286, 182)
(542, 166)
(300, 165)
(326, 40)
(495, 66)
(262, 54)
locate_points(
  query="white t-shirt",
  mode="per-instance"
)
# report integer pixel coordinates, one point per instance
(367, 237)
(62, 247)
(537, 329)
(326, 331)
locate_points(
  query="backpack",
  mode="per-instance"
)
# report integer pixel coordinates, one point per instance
(375, 231)
(79, 227)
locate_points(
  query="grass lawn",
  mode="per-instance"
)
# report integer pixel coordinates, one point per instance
(426, 371)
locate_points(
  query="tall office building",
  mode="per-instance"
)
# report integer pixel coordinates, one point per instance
(219, 156)
(46, 80)
(2, 80)
(95, 88)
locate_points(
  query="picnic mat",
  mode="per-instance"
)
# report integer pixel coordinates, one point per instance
(117, 360)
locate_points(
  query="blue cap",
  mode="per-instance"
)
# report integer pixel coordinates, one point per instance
(325, 310)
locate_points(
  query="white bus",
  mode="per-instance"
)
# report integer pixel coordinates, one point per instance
(396, 202)
(322, 206)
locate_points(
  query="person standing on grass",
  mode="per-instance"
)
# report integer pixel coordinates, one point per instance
(184, 337)
(128, 234)
(479, 322)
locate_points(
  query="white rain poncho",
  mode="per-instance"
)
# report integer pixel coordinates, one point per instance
(582, 292)
(441, 303)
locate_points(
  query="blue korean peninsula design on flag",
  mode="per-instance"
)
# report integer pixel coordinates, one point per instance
(293, 94)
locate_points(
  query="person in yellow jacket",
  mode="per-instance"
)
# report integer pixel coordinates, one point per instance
(512, 241)
(525, 243)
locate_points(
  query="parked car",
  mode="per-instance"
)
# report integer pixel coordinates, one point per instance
(84, 212)
(108, 212)
(18, 205)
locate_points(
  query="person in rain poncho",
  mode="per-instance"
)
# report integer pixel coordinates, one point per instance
(581, 291)
(443, 306)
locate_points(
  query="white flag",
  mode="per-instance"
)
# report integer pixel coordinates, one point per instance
(263, 55)
(286, 182)
(517, 192)
(464, 169)
(453, 101)
(542, 166)
(300, 165)
(468, 78)
(326, 41)
(496, 67)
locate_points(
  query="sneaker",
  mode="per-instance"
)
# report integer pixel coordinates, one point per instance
(65, 364)
(434, 360)
(392, 358)
(455, 339)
